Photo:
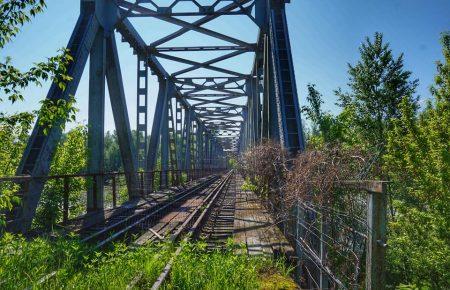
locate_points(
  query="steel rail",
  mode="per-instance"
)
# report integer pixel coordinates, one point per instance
(145, 216)
(192, 230)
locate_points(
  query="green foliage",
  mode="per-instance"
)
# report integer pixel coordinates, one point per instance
(249, 186)
(314, 110)
(12, 80)
(70, 158)
(418, 163)
(115, 269)
(113, 160)
(52, 112)
(326, 128)
(77, 266)
(14, 14)
(14, 128)
(13, 134)
(232, 163)
(25, 262)
(197, 268)
(379, 111)
(56, 113)
(378, 83)
(419, 251)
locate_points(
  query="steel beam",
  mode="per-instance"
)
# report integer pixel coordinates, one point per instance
(187, 140)
(96, 121)
(39, 151)
(288, 110)
(141, 110)
(120, 114)
(158, 119)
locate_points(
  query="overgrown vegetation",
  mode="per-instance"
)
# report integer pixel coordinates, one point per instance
(25, 262)
(197, 268)
(381, 133)
(15, 127)
(70, 158)
(77, 266)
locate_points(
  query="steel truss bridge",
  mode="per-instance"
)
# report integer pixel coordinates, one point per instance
(204, 111)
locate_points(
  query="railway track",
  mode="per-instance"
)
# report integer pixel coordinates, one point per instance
(162, 218)
(137, 220)
(192, 226)
(219, 227)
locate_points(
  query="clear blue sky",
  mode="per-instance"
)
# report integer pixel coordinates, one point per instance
(325, 35)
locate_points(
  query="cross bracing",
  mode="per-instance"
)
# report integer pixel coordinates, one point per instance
(221, 87)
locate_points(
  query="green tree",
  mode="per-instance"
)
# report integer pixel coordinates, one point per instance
(14, 127)
(70, 158)
(113, 160)
(417, 160)
(378, 83)
(313, 110)
(13, 136)
(13, 15)
(327, 128)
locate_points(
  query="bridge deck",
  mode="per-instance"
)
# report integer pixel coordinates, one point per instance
(254, 227)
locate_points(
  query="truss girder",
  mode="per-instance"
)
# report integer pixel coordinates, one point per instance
(195, 10)
(198, 115)
(185, 24)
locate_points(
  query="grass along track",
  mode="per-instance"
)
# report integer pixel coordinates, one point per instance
(130, 223)
(139, 265)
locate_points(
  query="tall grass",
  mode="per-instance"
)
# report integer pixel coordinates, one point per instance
(23, 262)
(197, 268)
(116, 269)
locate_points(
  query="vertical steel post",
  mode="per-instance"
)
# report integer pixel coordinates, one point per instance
(165, 143)
(141, 110)
(256, 106)
(187, 140)
(299, 234)
(165, 89)
(376, 239)
(96, 118)
(199, 146)
(265, 130)
(114, 190)
(178, 135)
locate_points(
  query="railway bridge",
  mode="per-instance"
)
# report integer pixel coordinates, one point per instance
(207, 109)
(204, 110)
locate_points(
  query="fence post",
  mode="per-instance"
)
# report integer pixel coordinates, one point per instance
(66, 201)
(141, 175)
(114, 190)
(376, 237)
(94, 191)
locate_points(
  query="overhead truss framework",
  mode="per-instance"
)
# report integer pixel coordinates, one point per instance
(205, 106)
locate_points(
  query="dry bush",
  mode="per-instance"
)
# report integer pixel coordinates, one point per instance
(316, 174)
(264, 166)
(315, 183)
